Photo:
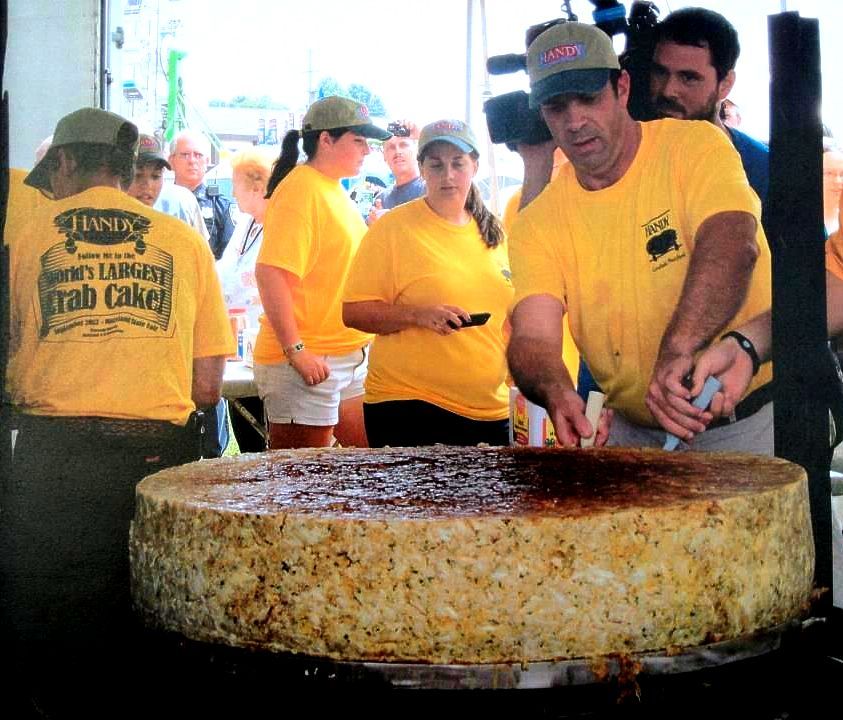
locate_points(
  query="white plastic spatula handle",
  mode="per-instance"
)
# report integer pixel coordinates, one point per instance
(701, 401)
(593, 406)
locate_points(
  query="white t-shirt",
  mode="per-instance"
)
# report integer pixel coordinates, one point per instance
(179, 202)
(236, 268)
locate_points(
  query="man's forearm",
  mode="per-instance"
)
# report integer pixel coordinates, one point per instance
(538, 169)
(759, 329)
(537, 368)
(206, 387)
(715, 287)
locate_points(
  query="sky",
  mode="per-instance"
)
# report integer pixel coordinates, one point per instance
(414, 55)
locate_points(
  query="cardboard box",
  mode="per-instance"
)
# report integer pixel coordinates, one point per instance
(529, 424)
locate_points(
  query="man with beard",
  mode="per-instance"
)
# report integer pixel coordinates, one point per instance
(692, 73)
(648, 240)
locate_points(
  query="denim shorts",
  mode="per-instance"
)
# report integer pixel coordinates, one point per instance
(288, 399)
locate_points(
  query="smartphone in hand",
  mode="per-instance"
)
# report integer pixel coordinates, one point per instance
(474, 320)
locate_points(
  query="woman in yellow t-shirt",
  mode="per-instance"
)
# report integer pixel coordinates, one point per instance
(421, 272)
(309, 367)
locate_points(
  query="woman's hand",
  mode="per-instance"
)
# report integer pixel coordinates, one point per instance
(312, 368)
(442, 319)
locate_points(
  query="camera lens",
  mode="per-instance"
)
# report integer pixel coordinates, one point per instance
(398, 129)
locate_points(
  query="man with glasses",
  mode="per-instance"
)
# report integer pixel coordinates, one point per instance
(189, 153)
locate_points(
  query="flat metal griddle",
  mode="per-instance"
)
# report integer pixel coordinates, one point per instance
(562, 672)
(510, 676)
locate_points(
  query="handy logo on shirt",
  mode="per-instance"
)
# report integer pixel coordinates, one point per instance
(102, 227)
(104, 280)
(660, 240)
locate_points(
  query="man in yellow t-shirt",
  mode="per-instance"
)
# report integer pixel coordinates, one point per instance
(118, 332)
(570, 355)
(649, 239)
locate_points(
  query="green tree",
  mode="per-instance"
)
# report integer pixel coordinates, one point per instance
(364, 95)
(329, 86)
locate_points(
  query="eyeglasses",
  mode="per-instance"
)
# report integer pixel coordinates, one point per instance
(190, 155)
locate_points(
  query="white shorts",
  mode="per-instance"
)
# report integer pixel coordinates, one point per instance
(288, 399)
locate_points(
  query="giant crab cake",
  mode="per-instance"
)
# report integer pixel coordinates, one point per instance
(472, 555)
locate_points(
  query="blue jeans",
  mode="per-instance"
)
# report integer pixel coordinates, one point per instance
(215, 437)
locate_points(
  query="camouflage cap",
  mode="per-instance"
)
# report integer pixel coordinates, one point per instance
(88, 125)
(338, 112)
(570, 57)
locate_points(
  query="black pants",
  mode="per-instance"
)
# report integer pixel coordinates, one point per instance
(65, 511)
(248, 439)
(412, 423)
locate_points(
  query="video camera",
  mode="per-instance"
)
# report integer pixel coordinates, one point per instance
(510, 118)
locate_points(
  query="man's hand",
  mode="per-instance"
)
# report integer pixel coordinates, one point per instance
(732, 367)
(566, 410)
(535, 361)
(376, 211)
(669, 399)
(312, 368)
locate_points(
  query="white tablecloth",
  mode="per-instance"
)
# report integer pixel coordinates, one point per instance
(238, 381)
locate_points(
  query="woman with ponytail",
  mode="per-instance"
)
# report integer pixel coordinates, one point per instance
(309, 367)
(422, 270)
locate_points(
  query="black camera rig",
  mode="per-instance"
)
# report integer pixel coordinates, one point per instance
(510, 118)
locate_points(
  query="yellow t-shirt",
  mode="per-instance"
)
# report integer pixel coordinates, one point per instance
(618, 256)
(23, 202)
(570, 354)
(312, 229)
(411, 256)
(110, 303)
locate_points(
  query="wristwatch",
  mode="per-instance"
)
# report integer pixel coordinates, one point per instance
(746, 345)
(294, 348)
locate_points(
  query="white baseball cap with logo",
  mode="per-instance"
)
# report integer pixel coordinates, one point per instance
(570, 57)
